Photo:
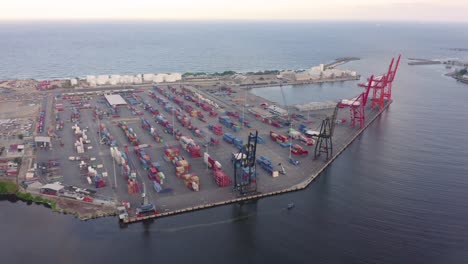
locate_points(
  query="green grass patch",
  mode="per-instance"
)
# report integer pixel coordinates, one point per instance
(37, 199)
(7, 187)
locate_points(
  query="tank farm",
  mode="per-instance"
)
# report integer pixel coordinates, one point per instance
(169, 149)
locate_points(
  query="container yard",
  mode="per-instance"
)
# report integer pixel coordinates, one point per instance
(164, 149)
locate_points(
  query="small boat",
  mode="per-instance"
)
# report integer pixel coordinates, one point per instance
(290, 206)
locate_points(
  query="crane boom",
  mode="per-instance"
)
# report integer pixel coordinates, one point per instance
(333, 120)
(284, 100)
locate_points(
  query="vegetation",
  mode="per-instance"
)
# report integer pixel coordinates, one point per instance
(20, 136)
(17, 160)
(195, 74)
(7, 187)
(37, 199)
(275, 72)
(462, 72)
(224, 73)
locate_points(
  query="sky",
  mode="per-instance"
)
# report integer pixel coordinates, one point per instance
(362, 10)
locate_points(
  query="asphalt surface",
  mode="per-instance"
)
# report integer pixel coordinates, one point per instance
(180, 196)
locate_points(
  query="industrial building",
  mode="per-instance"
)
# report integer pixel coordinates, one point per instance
(115, 99)
(316, 73)
(51, 188)
(41, 141)
(116, 79)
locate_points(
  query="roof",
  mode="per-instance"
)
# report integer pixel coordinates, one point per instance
(115, 99)
(42, 139)
(53, 186)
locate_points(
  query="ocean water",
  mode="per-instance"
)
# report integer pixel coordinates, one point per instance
(396, 195)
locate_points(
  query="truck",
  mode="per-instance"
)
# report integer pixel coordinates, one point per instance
(229, 138)
(297, 149)
(232, 114)
(294, 134)
(156, 175)
(146, 210)
(238, 143)
(206, 107)
(309, 141)
(278, 137)
(143, 157)
(189, 145)
(266, 164)
(225, 121)
(211, 162)
(217, 129)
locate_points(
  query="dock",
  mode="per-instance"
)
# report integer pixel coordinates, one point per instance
(297, 187)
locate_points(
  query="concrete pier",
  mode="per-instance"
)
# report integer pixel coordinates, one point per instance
(343, 140)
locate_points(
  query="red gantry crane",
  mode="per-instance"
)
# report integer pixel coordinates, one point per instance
(381, 91)
(357, 106)
(382, 85)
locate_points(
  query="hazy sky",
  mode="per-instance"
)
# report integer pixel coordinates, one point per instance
(415, 10)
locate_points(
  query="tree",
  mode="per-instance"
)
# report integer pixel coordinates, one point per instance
(462, 72)
(17, 160)
(20, 136)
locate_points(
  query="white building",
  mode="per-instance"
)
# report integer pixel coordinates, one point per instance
(277, 110)
(73, 81)
(148, 77)
(159, 78)
(290, 75)
(102, 79)
(126, 79)
(173, 77)
(316, 73)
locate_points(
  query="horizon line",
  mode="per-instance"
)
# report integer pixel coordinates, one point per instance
(230, 20)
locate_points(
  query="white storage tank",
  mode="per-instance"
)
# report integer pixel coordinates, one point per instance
(177, 76)
(137, 79)
(173, 77)
(148, 77)
(126, 79)
(102, 79)
(114, 79)
(160, 77)
(90, 78)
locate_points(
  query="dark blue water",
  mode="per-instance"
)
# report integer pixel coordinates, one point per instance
(397, 195)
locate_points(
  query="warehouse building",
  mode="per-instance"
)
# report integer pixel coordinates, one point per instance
(115, 99)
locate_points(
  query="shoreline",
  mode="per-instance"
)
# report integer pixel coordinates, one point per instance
(56, 204)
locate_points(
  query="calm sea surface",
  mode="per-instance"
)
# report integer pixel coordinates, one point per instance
(397, 195)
